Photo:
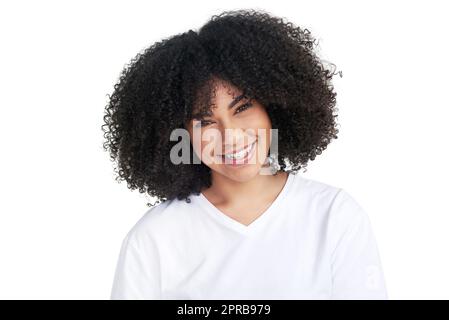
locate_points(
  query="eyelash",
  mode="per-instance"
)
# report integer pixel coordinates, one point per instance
(243, 107)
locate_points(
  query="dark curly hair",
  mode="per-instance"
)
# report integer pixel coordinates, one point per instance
(268, 59)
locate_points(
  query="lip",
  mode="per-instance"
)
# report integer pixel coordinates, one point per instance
(244, 161)
(237, 151)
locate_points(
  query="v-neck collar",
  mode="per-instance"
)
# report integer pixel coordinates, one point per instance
(221, 217)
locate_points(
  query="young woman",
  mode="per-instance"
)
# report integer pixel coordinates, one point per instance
(240, 223)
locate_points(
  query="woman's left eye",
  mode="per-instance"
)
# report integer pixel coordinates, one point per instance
(243, 107)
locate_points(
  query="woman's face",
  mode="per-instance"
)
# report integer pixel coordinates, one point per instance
(237, 123)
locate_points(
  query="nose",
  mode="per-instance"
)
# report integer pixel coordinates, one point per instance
(235, 138)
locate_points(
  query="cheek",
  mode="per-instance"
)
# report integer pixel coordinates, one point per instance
(260, 122)
(264, 126)
(205, 143)
(260, 118)
(266, 118)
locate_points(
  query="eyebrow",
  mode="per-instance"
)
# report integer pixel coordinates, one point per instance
(230, 106)
(234, 102)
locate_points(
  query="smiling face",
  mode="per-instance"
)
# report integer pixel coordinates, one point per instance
(235, 139)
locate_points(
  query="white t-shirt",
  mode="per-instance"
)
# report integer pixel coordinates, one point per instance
(314, 242)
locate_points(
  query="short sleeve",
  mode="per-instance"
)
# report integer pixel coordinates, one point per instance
(356, 266)
(137, 273)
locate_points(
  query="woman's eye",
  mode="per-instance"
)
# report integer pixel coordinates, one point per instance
(202, 123)
(243, 107)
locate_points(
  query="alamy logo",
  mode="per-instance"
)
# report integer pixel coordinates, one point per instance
(211, 148)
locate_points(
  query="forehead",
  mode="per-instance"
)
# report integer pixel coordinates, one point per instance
(225, 91)
(217, 94)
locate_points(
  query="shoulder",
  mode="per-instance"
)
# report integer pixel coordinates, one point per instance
(335, 211)
(315, 189)
(161, 221)
(315, 194)
(328, 201)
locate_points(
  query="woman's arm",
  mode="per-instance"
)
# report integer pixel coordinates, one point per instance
(356, 267)
(137, 274)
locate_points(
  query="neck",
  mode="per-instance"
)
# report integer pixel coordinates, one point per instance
(226, 191)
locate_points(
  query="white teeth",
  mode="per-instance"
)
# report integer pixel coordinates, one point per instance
(239, 155)
(236, 156)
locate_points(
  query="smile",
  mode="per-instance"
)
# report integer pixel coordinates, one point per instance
(240, 155)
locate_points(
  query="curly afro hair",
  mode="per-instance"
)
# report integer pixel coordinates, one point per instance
(170, 83)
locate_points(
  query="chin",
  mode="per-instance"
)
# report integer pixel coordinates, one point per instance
(242, 174)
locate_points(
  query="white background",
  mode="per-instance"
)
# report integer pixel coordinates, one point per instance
(63, 215)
